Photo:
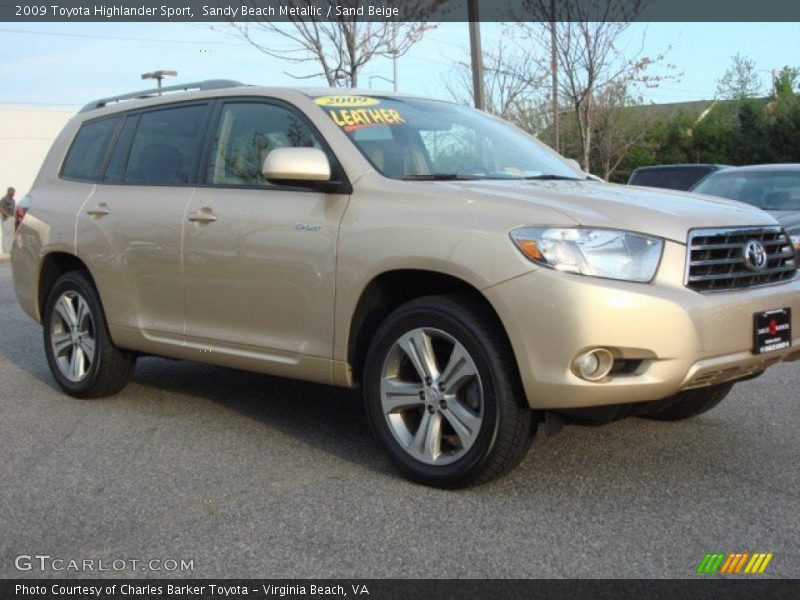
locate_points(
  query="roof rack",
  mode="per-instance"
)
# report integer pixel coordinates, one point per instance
(211, 84)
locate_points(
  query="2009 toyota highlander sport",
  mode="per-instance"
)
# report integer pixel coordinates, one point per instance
(469, 279)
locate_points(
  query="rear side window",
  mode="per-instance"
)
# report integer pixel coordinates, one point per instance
(768, 190)
(679, 178)
(87, 154)
(247, 132)
(165, 146)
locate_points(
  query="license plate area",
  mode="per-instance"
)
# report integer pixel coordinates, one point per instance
(772, 330)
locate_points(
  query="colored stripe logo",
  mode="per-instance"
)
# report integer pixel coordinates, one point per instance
(735, 563)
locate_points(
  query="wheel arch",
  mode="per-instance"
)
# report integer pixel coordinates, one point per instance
(389, 290)
(53, 266)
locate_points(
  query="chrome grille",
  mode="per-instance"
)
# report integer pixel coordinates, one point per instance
(717, 262)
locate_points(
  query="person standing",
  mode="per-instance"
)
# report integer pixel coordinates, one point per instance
(7, 207)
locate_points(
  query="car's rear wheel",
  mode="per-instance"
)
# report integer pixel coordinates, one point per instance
(442, 393)
(690, 403)
(79, 351)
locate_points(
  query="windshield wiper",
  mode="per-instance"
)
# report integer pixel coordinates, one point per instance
(438, 177)
(550, 177)
(457, 176)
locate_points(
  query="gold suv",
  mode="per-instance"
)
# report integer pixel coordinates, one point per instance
(469, 279)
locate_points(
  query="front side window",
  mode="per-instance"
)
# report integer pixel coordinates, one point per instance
(673, 179)
(421, 139)
(247, 132)
(165, 146)
(768, 190)
(87, 154)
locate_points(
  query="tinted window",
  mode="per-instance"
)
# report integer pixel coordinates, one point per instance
(119, 155)
(247, 132)
(165, 146)
(88, 151)
(768, 190)
(675, 178)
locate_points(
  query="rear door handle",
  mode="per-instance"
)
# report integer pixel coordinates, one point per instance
(202, 217)
(101, 210)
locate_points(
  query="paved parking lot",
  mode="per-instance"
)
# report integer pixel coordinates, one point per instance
(253, 476)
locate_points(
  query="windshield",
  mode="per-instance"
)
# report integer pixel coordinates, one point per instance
(427, 139)
(768, 190)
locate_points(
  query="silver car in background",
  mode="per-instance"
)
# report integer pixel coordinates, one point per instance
(773, 188)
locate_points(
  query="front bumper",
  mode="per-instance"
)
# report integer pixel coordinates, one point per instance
(683, 339)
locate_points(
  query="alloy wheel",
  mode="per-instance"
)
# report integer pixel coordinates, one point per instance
(72, 336)
(432, 396)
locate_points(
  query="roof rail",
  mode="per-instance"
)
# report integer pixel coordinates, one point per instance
(211, 84)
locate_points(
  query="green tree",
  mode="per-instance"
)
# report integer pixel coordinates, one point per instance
(749, 142)
(786, 82)
(783, 129)
(672, 140)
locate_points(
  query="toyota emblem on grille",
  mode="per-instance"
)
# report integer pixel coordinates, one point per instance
(755, 255)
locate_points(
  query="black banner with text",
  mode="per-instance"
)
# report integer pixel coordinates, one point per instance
(390, 589)
(397, 10)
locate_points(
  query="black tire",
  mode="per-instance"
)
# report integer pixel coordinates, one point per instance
(110, 369)
(507, 424)
(688, 404)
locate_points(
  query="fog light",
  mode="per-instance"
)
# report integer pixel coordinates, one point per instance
(593, 365)
(589, 364)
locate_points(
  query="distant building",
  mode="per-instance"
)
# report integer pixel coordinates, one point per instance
(26, 134)
(649, 113)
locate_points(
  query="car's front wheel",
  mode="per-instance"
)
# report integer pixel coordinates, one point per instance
(81, 356)
(442, 393)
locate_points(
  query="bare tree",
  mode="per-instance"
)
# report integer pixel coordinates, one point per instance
(740, 81)
(620, 125)
(340, 47)
(511, 78)
(587, 44)
(533, 114)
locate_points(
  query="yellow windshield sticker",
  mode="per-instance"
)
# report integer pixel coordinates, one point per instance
(351, 119)
(348, 101)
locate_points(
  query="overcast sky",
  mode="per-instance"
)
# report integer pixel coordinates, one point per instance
(72, 63)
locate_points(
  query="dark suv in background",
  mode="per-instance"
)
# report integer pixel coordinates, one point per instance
(672, 177)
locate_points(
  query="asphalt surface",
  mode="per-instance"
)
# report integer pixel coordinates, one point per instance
(254, 476)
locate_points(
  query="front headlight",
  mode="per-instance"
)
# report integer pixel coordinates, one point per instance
(608, 253)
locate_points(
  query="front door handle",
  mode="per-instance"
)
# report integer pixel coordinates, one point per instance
(101, 210)
(202, 217)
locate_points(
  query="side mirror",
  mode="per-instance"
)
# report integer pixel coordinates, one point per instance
(297, 165)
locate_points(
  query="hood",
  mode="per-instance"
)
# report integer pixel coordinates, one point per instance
(790, 219)
(663, 213)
